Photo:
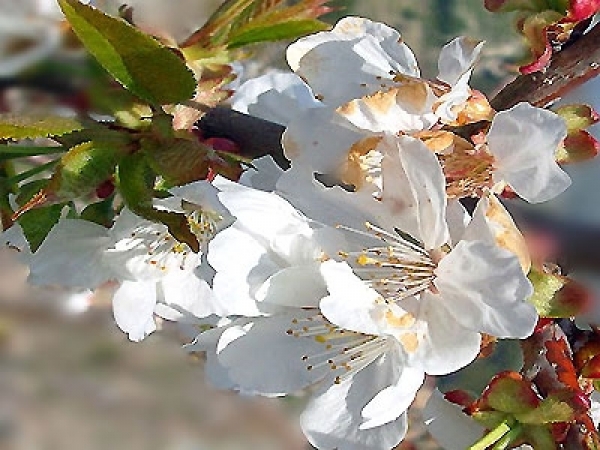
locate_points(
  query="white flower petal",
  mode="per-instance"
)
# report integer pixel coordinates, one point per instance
(267, 360)
(414, 190)
(457, 58)
(200, 193)
(242, 265)
(492, 224)
(359, 52)
(263, 174)
(320, 140)
(183, 295)
(14, 239)
(265, 213)
(392, 401)
(73, 255)
(276, 96)
(407, 107)
(485, 290)
(208, 342)
(446, 345)
(523, 141)
(298, 286)
(133, 308)
(351, 304)
(333, 417)
(457, 219)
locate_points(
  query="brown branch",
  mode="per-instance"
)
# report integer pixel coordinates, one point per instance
(572, 66)
(256, 137)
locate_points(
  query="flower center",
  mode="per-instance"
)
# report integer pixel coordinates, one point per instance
(396, 269)
(344, 352)
(468, 171)
(363, 164)
(203, 224)
(162, 250)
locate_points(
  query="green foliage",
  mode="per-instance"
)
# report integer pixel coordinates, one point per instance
(278, 31)
(178, 161)
(556, 296)
(136, 181)
(101, 212)
(36, 224)
(142, 65)
(578, 116)
(82, 168)
(241, 22)
(19, 126)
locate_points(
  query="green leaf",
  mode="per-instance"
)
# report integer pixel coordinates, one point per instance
(83, 168)
(37, 223)
(578, 116)
(551, 410)
(178, 161)
(216, 29)
(18, 126)
(578, 146)
(137, 61)
(510, 393)
(556, 296)
(21, 151)
(136, 179)
(540, 436)
(101, 212)
(268, 33)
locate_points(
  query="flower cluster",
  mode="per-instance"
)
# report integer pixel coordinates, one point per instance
(357, 271)
(370, 274)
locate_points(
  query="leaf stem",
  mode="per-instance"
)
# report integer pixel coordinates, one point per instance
(18, 151)
(494, 436)
(29, 173)
(508, 438)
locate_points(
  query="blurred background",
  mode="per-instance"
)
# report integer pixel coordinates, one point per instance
(69, 379)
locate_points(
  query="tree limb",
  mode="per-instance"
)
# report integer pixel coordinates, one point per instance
(570, 67)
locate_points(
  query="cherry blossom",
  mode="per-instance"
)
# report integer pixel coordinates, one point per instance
(156, 274)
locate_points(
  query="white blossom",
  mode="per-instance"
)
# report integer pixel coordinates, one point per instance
(156, 274)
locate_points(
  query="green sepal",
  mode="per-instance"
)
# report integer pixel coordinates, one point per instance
(136, 181)
(509, 392)
(539, 436)
(137, 61)
(102, 212)
(20, 126)
(37, 223)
